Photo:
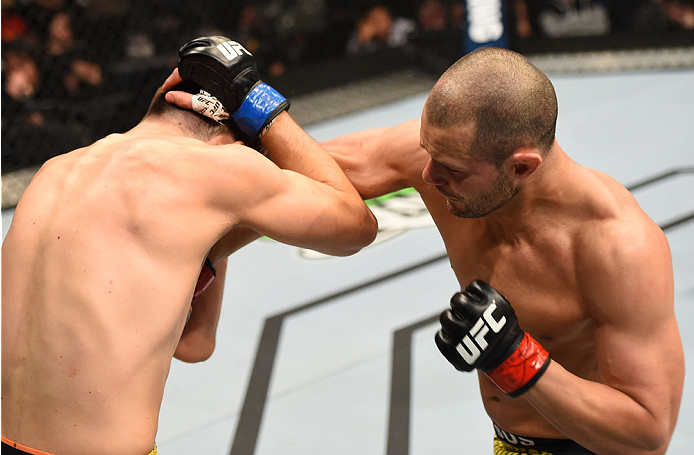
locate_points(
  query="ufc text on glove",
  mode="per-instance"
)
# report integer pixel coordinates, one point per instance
(481, 331)
(228, 71)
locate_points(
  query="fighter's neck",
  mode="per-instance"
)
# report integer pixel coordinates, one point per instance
(548, 198)
(153, 127)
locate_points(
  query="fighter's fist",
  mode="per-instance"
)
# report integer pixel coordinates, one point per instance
(481, 331)
(228, 71)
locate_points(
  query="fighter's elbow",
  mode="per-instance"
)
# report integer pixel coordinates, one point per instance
(369, 229)
(362, 234)
(194, 350)
(652, 438)
(655, 441)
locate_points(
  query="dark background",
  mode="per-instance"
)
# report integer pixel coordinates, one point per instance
(74, 71)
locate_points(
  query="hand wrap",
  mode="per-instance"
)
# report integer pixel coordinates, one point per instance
(228, 71)
(209, 106)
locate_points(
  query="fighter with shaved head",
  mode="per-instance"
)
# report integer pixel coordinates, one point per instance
(566, 306)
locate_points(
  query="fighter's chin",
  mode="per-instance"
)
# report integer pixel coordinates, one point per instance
(462, 212)
(455, 210)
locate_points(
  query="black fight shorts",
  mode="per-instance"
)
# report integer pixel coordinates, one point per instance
(512, 444)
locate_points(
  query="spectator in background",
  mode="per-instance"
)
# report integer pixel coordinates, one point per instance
(679, 13)
(440, 15)
(20, 84)
(563, 18)
(378, 29)
(256, 32)
(28, 133)
(13, 25)
(75, 75)
(432, 15)
(283, 33)
(575, 18)
(21, 73)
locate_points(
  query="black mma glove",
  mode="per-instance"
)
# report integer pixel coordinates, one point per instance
(228, 71)
(481, 331)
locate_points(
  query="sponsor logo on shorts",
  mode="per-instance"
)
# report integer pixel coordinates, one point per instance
(512, 438)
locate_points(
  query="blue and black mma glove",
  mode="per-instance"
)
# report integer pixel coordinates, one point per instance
(228, 71)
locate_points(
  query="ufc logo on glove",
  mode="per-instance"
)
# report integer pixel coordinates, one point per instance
(472, 338)
(478, 332)
(226, 70)
(232, 49)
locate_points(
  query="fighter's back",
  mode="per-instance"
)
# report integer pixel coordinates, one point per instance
(98, 269)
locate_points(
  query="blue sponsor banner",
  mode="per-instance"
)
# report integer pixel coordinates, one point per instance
(486, 24)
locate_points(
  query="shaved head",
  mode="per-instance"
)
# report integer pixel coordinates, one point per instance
(510, 103)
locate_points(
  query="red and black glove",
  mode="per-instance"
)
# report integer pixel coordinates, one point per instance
(481, 331)
(207, 274)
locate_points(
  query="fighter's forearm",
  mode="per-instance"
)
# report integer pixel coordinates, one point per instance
(292, 148)
(598, 417)
(198, 340)
(231, 242)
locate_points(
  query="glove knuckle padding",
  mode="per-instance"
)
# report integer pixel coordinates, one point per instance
(447, 347)
(452, 325)
(220, 66)
(481, 331)
(228, 71)
(483, 326)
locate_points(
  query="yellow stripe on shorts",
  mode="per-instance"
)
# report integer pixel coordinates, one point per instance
(501, 448)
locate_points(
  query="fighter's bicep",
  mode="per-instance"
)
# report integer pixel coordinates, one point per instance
(380, 160)
(295, 209)
(631, 299)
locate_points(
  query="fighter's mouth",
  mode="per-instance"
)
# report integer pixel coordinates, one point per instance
(446, 195)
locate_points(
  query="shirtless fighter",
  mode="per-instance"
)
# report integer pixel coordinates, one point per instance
(107, 243)
(584, 272)
(581, 354)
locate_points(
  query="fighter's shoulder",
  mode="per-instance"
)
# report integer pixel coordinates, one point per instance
(621, 251)
(406, 135)
(626, 231)
(183, 151)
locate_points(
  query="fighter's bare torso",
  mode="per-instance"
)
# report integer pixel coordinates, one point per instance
(540, 271)
(94, 324)
(570, 253)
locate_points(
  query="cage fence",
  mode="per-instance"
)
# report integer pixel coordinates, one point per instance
(74, 71)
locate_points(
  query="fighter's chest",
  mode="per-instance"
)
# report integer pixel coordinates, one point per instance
(540, 283)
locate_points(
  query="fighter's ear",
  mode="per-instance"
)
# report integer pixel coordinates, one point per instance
(525, 161)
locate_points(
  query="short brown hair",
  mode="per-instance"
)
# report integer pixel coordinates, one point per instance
(510, 102)
(196, 125)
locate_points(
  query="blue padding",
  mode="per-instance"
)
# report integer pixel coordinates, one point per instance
(256, 108)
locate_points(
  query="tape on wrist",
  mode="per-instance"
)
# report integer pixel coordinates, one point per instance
(522, 368)
(262, 104)
(209, 106)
